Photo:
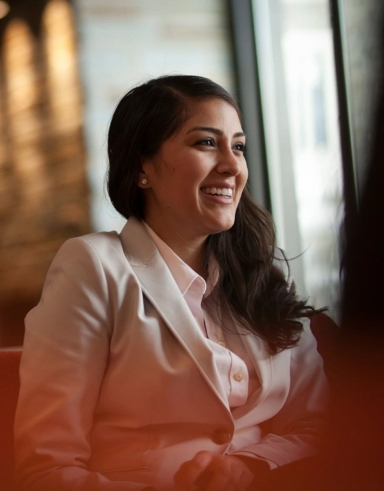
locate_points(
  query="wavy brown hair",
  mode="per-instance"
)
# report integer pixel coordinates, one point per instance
(251, 289)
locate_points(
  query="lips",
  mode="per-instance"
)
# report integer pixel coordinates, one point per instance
(225, 192)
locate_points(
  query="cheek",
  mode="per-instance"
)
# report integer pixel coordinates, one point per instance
(173, 169)
(189, 176)
(244, 179)
(178, 169)
(243, 183)
(245, 172)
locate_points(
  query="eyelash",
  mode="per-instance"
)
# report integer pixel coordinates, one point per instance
(211, 144)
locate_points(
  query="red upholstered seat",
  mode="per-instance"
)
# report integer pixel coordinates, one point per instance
(9, 390)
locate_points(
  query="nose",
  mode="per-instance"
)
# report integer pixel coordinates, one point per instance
(230, 163)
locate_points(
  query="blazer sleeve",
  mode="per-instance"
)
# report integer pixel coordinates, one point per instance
(64, 358)
(295, 432)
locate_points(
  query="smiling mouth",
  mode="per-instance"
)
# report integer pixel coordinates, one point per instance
(224, 192)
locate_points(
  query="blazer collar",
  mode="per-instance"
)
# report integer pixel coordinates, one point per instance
(161, 289)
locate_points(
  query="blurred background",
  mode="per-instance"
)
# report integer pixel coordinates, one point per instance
(305, 72)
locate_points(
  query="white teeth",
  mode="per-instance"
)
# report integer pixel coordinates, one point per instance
(219, 191)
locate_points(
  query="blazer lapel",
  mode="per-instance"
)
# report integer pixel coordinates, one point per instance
(162, 291)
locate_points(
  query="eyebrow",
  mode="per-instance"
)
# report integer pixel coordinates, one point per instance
(213, 130)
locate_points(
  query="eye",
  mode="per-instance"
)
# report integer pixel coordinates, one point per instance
(240, 147)
(206, 142)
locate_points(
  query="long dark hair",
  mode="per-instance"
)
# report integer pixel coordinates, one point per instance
(251, 289)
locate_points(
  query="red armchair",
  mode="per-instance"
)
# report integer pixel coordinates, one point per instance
(9, 390)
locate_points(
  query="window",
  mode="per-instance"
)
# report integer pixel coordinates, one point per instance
(299, 107)
(300, 82)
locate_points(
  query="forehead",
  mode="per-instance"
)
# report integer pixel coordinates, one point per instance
(216, 113)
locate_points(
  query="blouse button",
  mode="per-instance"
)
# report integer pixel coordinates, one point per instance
(239, 376)
(221, 436)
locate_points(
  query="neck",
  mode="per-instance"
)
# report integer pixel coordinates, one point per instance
(194, 257)
(190, 250)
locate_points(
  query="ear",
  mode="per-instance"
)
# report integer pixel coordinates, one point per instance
(147, 167)
(143, 180)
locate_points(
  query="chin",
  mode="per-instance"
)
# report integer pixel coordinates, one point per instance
(222, 226)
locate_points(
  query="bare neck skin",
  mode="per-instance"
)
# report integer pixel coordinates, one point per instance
(191, 251)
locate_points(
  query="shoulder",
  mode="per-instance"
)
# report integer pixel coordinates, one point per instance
(101, 245)
(91, 256)
(98, 242)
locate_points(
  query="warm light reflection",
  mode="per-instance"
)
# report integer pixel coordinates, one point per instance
(60, 49)
(3, 149)
(19, 67)
(21, 88)
(44, 195)
(4, 9)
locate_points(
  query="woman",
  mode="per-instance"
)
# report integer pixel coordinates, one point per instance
(173, 354)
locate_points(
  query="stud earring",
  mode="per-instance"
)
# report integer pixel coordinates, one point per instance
(144, 181)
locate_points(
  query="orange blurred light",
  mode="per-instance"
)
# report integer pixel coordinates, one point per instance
(4, 9)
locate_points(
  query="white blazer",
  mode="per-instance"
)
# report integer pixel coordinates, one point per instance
(119, 386)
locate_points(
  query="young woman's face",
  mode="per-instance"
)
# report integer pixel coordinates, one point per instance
(195, 182)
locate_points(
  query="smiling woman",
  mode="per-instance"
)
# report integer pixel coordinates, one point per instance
(175, 353)
(193, 185)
